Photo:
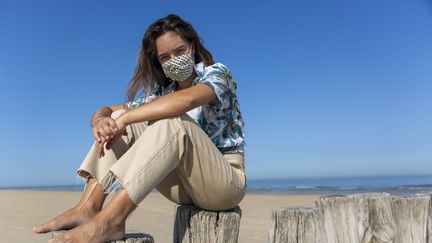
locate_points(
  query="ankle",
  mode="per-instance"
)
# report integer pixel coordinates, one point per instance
(89, 206)
(92, 206)
(93, 198)
(115, 220)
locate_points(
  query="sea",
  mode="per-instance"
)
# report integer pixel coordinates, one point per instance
(398, 185)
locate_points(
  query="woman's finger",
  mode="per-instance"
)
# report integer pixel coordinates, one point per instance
(108, 131)
(110, 143)
(97, 146)
(96, 135)
(101, 143)
(102, 132)
(100, 149)
(113, 125)
(97, 150)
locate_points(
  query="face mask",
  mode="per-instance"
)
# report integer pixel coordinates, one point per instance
(179, 68)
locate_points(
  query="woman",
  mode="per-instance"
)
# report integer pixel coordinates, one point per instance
(183, 136)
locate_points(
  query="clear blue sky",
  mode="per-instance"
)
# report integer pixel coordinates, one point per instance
(326, 88)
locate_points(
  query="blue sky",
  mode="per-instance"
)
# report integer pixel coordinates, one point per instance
(326, 88)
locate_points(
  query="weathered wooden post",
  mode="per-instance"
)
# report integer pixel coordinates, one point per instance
(358, 218)
(297, 225)
(411, 216)
(193, 225)
(129, 237)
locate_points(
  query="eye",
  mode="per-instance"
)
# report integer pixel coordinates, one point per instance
(163, 59)
(180, 51)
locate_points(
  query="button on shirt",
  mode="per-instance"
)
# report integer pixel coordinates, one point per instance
(221, 118)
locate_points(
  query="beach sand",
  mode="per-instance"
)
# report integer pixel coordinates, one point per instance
(21, 209)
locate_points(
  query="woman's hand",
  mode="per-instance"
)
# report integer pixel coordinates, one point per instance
(120, 132)
(118, 129)
(104, 128)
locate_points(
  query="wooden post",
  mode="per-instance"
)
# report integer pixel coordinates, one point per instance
(412, 218)
(297, 225)
(129, 237)
(357, 218)
(193, 224)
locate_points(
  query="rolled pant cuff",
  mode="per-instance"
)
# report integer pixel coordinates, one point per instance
(111, 183)
(84, 177)
(80, 176)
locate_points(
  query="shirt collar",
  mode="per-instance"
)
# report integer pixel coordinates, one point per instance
(199, 69)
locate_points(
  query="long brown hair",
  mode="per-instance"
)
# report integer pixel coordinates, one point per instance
(148, 70)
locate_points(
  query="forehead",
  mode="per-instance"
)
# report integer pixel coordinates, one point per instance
(168, 41)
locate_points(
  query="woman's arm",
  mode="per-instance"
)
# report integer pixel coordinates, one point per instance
(168, 105)
(105, 112)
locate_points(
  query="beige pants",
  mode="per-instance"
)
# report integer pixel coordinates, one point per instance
(173, 155)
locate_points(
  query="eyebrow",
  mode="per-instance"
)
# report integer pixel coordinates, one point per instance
(178, 47)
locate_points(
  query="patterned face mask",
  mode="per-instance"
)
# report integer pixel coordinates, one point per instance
(179, 68)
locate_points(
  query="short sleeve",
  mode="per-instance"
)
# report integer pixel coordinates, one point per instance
(150, 95)
(217, 77)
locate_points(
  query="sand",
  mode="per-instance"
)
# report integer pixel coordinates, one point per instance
(21, 209)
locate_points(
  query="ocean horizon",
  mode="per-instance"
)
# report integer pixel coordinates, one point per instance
(400, 185)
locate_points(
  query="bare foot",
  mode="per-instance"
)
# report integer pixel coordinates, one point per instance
(67, 220)
(99, 229)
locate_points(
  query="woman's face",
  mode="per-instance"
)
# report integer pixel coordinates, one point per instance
(170, 45)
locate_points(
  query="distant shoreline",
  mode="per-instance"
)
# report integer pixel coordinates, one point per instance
(400, 185)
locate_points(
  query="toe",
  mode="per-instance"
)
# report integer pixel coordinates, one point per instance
(40, 228)
(47, 227)
(36, 229)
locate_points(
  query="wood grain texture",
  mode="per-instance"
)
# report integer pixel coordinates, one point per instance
(194, 225)
(357, 218)
(297, 224)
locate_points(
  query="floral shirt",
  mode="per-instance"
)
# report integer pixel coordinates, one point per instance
(220, 119)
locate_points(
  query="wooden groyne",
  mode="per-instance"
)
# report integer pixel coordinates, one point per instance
(357, 218)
